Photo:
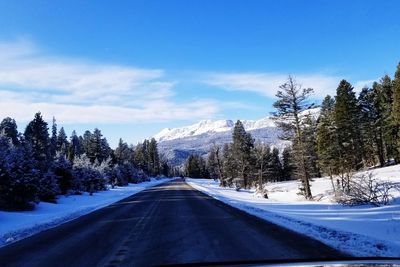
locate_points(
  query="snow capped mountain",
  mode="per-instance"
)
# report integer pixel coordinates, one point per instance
(209, 127)
(176, 144)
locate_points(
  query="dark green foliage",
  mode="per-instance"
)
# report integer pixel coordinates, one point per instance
(8, 128)
(195, 167)
(62, 142)
(153, 158)
(326, 138)
(214, 162)
(36, 167)
(262, 155)
(228, 165)
(53, 138)
(242, 146)
(74, 149)
(36, 134)
(48, 188)
(62, 169)
(346, 115)
(395, 116)
(287, 164)
(274, 167)
(122, 153)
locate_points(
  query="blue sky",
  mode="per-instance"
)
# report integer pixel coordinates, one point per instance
(132, 68)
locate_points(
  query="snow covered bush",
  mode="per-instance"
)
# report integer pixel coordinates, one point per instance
(366, 189)
(19, 180)
(88, 178)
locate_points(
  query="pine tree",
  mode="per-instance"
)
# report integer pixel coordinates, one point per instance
(385, 103)
(74, 149)
(262, 156)
(62, 169)
(346, 116)
(242, 147)
(195, 167)
(327, 140)
(153, 158)
(372, 140)
(85, 142)
(139, 157)
(396, 112)
(62, 142)
(53, 139)
(214, 162)
(122, 152)
(287, 164)
(274, 167)
(8, 128)
(309, 125)
(36, 133)
(228, 165)
(292, 101)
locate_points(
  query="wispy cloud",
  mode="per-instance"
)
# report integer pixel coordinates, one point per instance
(267, 84)
(80, 91)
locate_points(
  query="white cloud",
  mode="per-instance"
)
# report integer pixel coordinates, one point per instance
(267, 84)
(359, 85)
(78, 91)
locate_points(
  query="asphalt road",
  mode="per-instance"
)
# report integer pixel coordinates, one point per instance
(166, 224)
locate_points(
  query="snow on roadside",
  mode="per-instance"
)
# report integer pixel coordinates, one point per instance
(18, 225)
(358, 230)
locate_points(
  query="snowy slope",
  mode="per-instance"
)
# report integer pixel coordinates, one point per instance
(359, 230)
(218, 126)
(18, 225)
(178, 143)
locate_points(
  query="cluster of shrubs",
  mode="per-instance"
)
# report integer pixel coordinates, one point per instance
(23, 182)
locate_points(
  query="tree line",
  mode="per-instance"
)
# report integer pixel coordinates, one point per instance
(243, 162)
(37, 166)
(349, 133)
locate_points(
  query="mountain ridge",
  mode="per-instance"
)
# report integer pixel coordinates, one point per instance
(176, 144)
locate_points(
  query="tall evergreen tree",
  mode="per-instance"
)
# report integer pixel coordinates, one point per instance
(153, 158)
(385, 103)
(139, 157)
(346, 115)
(74, 147)
(326, 139)
(242, 146)
(372, 138)
(53, 138)
(122, 152)
(36, 133)
(8, 128)
(396, 111)
(262, 158)
(62, 142)
(229, 165)
(274, 167)
(214, 162)
(287, 164)
(292, 101)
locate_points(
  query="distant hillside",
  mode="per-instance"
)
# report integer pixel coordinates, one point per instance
(178, 143)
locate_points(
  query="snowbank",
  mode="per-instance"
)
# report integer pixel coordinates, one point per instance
(18, 225)
(359, 230)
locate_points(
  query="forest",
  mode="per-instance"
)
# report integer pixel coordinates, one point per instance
(352, 132)
(38, 166)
